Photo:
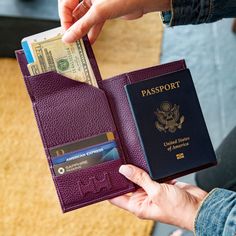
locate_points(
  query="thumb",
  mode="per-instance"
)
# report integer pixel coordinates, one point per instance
(141, 178)
(81, 27)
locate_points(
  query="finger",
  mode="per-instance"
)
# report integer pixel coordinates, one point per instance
(141, 178)
(94, 32)
(83, 25)
(97, 14)
(65, 8)
(139, 194)
(81, 9)
(121, 201)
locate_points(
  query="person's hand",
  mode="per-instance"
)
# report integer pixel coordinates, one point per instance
(173, 203)
(92, 14)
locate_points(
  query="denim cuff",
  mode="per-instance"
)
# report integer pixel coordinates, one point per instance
(185, 12)
(166, 17)
(213, 215)
(221, 9)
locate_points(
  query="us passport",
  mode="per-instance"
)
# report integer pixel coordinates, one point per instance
(170, 125)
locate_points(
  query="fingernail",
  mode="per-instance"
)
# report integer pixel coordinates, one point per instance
(126, 170)
(68, 38)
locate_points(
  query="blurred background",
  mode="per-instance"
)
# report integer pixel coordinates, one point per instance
(28, 200)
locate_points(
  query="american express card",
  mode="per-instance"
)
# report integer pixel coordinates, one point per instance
(81, 144)
(90, 159)
(84, 152)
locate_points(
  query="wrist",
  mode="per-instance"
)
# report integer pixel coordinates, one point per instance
(190, 221)
(185, 215)
(193, 214)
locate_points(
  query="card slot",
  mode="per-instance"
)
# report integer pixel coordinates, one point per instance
(62, 119)
(50, 83)
(84, 143)
(90, 185)
(68, 110)
(116, 139)
(20, 55)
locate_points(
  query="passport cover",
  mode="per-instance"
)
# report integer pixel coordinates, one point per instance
(170, 124)
(60, 105)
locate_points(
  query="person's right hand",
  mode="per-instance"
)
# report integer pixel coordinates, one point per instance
(173, 203)
(92, 19)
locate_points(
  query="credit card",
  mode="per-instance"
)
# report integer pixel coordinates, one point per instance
(84, 152)
(81, 144)
(87, 161)
(27, 41)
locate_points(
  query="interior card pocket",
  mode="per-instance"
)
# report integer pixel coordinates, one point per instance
(94, 184)
(68, 110)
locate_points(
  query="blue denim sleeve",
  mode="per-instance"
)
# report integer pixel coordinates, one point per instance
(217, 214)
(185, 12)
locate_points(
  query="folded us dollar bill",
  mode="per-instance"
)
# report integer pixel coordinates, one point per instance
(46, 52)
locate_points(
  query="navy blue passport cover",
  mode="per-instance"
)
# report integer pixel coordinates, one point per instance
(171, 126)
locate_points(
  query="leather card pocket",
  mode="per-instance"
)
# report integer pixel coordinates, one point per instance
(90, 185)
(67, 111)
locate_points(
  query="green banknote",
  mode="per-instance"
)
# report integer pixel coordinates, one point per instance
(70, 60)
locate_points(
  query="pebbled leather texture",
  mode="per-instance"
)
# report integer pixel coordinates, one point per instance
(68, 110)
(114, 88)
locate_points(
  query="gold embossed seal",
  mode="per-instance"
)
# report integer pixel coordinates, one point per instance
(168, 117)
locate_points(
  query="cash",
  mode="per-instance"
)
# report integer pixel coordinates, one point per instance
(70, 60)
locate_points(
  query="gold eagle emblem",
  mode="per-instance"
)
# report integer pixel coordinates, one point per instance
(168, 118)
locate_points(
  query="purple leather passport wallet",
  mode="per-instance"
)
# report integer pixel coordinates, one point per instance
(68, 110)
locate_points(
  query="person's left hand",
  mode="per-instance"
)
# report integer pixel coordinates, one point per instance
(173, 203)
(89, 16)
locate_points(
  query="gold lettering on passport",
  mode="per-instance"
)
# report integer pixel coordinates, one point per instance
(160, 89)
(176, 144)
(168, 118)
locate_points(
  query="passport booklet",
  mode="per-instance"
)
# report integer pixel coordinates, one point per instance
(88, 129)
(170, 125)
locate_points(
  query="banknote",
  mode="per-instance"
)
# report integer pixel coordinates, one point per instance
(69, 60)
